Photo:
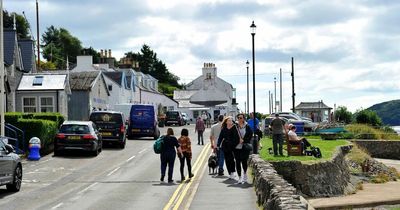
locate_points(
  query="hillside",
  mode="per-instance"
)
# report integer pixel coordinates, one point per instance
(389, 111)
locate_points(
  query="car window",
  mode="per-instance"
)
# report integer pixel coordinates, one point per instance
(105, 118)
(74, 129)
(2, 145)
(172, 114)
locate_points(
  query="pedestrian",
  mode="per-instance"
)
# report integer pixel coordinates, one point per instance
(295, 139)
(186, 148)
(214, 134)
(204, 117)
(256, 129)
(168, 154)
(278, 127)
(200, 127)
(228, 139)
(240, 153)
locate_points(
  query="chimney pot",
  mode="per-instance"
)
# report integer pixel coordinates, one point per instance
(101, 53)
(109, 53)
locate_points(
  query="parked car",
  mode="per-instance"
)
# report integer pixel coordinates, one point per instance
(267, 122)
(143, 122)
(174, 117)
(112, 126)
(293, 118)
(78, 135)
(10, 167)
(185, 118)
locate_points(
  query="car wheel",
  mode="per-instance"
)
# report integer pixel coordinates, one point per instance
(96, 152)
(16, 185)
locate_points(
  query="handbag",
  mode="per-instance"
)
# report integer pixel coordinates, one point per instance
(248, 146)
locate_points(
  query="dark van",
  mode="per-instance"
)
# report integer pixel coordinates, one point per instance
(111, 125)
(174, 117)
(143, 122)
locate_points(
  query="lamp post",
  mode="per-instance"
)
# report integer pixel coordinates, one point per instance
(247, 66)
(253, 33)
(275, 94)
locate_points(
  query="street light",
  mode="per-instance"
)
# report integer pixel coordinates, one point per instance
(275, 94)
(247, 66)
(253, 33)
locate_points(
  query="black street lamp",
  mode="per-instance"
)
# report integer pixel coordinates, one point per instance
(253, 33)
(247, 66)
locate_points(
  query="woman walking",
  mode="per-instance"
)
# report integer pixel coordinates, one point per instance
(241, 154)
(228, 140)
(186, 148)
(168, 154)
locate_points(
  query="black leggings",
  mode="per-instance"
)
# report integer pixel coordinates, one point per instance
(229, 160)
(186, 157)
(241, 158)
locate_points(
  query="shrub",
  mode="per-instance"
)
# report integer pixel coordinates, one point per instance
(362, 131)
(380, 178)
(52, 116)
(369, 117)
(12, 117)
(358, 155)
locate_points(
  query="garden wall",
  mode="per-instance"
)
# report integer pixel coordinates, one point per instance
(388, 149)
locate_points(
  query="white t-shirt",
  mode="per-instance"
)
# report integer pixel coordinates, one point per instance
(292, 136)
(216, 130)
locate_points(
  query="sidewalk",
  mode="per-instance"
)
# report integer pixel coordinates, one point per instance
(372, 195)
(217, 192)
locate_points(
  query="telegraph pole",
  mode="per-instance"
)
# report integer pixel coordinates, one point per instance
(275, 94)
(269, 101)
(293, 93)
(280, 94)
(37, 34)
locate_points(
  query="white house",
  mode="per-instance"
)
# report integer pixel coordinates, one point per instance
(207, 93)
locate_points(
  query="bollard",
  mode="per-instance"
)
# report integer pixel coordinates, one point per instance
(34, 147)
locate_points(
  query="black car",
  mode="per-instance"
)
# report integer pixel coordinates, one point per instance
(174, 117)
(112, 126)
(78, 135)
(10, 167)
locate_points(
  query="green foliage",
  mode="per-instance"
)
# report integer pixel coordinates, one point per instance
(343, 115)
(328, 148)
(22, 25)
(12, 117)
(58, 44)
(388, 111)
(150, 64)
(52, 116)
(358, 155)
(47, 65)
(366, 116)
(90, 51)
(167, 89)
(362, 131)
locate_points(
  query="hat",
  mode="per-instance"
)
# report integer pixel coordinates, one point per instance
(290, 126)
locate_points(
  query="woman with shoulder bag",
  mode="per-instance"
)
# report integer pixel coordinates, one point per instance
(241, 153)
(185, 145)
(227, 140)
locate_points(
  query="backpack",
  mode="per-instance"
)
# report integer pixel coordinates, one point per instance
(316, 152)
(158, 145)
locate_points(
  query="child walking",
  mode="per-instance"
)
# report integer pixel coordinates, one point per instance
(185, 145)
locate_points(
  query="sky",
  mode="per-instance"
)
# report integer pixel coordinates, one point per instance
(346, 53)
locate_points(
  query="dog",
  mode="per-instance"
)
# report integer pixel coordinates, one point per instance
(212, 164)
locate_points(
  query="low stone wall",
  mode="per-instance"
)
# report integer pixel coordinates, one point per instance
(388, 149)
(273, 192)
(321, 179)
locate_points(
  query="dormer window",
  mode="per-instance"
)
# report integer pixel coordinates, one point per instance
(38, 81)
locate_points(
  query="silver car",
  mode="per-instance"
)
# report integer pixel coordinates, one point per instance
(10, 167)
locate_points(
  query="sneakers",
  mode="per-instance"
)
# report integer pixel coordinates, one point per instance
(245, 179)
(232, 175)
(240, 180)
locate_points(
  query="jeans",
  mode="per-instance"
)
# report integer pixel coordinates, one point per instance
(241, 158)
(277, 141)
(220, 155)
(167, 159)
(188, 163)
(200, 136)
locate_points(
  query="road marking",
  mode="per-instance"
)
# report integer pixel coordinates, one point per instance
(178, 194)
(88, 187)
(196, 186)
(142, 150)
(116, 169)
(57, 206)
(129, 159)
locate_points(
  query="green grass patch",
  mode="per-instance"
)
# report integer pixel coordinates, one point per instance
(362, 131)
(328, 148)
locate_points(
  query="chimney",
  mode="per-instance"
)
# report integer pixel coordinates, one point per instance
(105, 53)
(101, 53)
(109, 53)
(14, 25)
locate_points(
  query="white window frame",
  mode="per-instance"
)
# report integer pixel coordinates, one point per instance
(29, 106)
(46, 106)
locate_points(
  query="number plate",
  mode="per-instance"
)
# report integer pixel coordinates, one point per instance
(135, 130)
(74, 137)
(106, 134)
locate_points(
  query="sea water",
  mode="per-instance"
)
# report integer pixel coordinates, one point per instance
(397, 129)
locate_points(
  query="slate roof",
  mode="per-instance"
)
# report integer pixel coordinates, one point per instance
(50, 82)
(9, 46)
(115, 76)
(83, 80)
(27, 54)
(312, 105)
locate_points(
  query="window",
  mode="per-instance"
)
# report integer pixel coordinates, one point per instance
(208, 76)
(29, 104)
(110, 87)
(38, 81)
(46, 104)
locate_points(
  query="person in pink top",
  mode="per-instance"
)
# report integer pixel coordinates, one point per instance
(200, 127)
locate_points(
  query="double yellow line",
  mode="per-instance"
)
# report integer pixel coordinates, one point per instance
(176, 200)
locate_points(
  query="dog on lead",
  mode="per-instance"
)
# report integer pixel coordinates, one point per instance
(212, 164)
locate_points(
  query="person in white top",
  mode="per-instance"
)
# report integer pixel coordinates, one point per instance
(294, 138)
(214, 134)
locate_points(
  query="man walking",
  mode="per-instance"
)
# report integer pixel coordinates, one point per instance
(215, 131)
(199, 129)
(277, 126)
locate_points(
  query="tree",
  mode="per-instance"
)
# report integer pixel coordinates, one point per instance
(343, 115)
(22, 25)
(57, 44)
(365, 116)
(92, 52)
(48, 65)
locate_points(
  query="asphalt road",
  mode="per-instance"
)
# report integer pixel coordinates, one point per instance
(115, 179)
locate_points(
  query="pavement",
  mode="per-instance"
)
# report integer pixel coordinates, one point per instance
(372, 195)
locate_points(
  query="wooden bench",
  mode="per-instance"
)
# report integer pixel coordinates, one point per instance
(293, 147)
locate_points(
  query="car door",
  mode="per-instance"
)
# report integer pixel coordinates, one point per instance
(6, 163)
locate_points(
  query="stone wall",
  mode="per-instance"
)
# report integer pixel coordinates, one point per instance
(321, 179)
(381, 148)
(273, 192)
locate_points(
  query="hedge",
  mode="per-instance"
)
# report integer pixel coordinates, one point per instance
(52, 116)
(12, 117)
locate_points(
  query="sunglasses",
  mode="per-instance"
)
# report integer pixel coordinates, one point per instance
(240, 118)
